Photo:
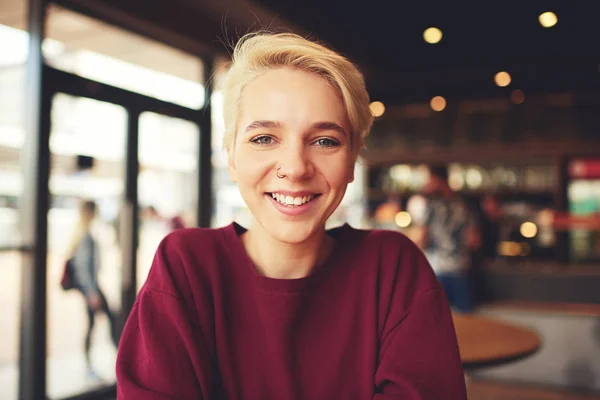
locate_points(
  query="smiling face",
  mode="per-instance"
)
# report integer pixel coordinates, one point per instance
(292, 154)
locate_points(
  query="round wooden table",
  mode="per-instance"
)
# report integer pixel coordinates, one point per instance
(485, 342)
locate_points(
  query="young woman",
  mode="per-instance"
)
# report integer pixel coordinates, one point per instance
(85, 258)
(285, 309)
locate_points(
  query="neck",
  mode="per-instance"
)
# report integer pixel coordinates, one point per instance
(275, 259)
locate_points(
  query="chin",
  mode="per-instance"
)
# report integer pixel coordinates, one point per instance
(291, 232)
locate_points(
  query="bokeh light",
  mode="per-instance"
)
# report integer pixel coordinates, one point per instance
(529, 229)
(548, 19)
(377, 108)
(432, 35)
(403, 219)
(502, 79)
(438, 103)
(517, 96)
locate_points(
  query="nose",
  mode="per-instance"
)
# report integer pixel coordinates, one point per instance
(295, 163)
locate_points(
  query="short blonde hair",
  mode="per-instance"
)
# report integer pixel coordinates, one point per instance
(260, 52)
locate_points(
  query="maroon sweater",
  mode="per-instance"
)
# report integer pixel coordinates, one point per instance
(371, 323)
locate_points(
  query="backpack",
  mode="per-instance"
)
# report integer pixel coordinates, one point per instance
(67, 281)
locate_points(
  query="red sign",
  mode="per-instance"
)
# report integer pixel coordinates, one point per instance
(566, 221)
(585, 169)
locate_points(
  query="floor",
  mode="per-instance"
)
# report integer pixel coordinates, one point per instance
(568, 358)
(67, 374)
(487, 390)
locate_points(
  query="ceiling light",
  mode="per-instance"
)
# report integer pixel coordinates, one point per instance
(377, 108)
(502, 79)
(548, 19)
(438, 103)
(432, 35)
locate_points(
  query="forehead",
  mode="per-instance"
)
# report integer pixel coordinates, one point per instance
(292, 97)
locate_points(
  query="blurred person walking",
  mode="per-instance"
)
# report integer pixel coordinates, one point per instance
(447, 233)
(85, 258)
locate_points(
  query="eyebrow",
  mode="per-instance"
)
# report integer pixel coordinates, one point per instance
(328, 126)
(321, 125)
(263, 124)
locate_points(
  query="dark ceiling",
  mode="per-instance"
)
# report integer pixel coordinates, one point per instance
(385, 38)
(480, 39)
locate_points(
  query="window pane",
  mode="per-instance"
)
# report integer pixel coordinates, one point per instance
(13, 41)
(10, 285)
(228, 203)
(104, 53)
(167, 182)
(87, 143)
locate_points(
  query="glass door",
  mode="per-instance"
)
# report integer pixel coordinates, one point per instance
(167, 182)
(87, 145)
(112, 90)
(12, 138)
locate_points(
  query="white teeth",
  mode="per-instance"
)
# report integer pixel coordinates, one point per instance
(292, 201)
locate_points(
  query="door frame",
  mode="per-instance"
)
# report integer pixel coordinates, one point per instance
(43, 83)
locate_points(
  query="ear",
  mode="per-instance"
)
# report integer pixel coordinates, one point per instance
(231, 166)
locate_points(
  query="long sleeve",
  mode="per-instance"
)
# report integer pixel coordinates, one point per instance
(163, 353)
(85, 266)
(419, 357)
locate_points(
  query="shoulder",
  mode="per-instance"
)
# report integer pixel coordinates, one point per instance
(386, 242)
(194, 242)
(87, 239)
(186, 259)
(399, 260)
(85, 243)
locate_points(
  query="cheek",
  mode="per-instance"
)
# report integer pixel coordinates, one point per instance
(338, 173)
(251, 167)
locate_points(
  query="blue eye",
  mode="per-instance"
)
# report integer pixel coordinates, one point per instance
(262, 140)
(326, 142)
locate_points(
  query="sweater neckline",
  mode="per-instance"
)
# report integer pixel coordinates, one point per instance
(283, 286)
